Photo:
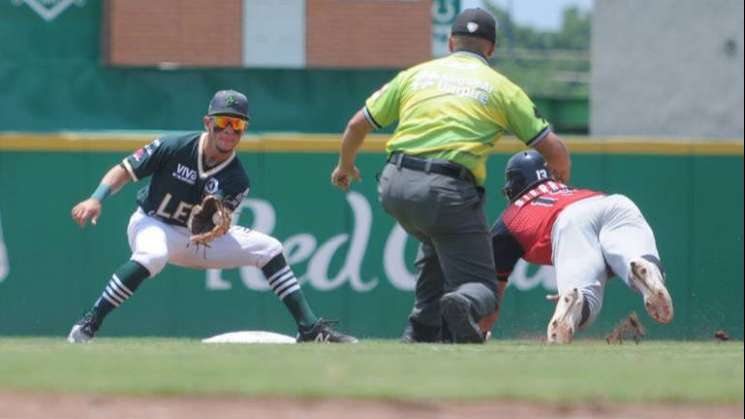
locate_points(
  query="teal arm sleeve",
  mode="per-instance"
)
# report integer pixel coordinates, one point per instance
(101, 192)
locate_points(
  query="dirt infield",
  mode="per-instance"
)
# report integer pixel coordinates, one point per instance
(15, 405)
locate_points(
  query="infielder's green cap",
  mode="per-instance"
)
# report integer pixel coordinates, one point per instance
(230, 103)
(477, 23)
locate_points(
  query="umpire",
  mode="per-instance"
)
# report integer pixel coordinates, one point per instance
(451, 111)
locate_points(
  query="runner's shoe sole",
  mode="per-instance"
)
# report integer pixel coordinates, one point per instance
(647, 278)
(568, 313)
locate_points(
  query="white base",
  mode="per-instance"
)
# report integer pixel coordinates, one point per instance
(250, 336)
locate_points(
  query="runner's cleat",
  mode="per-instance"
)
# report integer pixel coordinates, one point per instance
(647, 277)
(566, 317)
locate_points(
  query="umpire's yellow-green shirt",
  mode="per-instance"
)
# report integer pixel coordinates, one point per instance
(454, 108)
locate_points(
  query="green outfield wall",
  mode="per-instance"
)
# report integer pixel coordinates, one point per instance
(353, 261)
(57, 78)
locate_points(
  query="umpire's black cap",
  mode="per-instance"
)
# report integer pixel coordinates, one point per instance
(230, 103)
(477, 23)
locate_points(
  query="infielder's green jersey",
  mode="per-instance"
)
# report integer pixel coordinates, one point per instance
(454, 108)
(179, 178)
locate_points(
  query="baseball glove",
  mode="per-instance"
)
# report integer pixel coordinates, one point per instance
(208, 220)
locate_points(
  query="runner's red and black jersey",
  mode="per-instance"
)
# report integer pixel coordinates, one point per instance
(524, 228)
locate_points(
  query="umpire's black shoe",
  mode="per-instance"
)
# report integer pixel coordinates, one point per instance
(460, 321)
(84, 330)
(322, 332)
(416, 332)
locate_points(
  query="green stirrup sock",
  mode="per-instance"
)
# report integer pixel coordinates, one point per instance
(285, 286)
(300, 309)
(121, 286)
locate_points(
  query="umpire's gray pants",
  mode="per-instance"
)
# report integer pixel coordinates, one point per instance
(455, 255)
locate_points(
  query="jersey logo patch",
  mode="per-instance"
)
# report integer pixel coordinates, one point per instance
(149, 148)
(137, 155)
(211, 186)
(185, 174)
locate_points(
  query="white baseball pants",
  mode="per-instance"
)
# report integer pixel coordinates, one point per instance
(155, 243)
(592, 235)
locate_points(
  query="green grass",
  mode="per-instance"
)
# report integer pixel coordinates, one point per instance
(584, 371)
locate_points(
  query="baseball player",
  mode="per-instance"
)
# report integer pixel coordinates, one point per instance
(450, 112)
(183, 170)
(588, 236)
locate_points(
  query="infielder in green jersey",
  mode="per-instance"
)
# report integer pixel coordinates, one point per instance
(184, 169)
(450, 112)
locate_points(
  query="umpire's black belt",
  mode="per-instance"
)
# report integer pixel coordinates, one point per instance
(440, 167)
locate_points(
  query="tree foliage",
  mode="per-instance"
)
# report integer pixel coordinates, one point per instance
(574, 33)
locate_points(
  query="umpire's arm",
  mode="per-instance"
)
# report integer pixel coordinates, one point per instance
(556, 154)
(354, 135)
(357, 129)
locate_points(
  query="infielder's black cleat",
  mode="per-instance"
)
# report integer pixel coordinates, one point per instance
(85, 328)
(322, 332)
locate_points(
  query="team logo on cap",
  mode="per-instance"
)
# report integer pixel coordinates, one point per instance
(231, 100)
(472, 27)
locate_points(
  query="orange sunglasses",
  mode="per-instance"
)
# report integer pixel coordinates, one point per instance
(222, 122)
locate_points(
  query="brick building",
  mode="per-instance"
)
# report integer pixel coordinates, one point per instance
(268, 33)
